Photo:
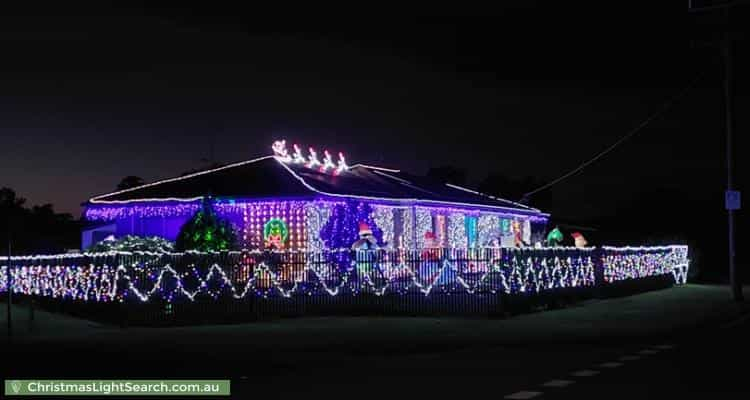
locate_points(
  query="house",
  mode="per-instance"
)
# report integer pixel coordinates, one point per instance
(312, 202)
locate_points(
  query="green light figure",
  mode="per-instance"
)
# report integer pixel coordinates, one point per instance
(554, 237)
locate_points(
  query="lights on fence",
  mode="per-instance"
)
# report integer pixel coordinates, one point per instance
(88, 276)
(641, 262)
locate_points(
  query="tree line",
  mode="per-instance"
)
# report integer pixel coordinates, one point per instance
(37, 228)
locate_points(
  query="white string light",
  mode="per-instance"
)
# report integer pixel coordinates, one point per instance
(327, 161)
(97, 199)
(510, 270)
(282, 154)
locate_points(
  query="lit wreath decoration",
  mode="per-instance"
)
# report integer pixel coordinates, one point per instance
(275, 233)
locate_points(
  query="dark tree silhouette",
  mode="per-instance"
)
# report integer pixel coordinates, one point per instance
(130, 181)
(38, 229)
(9, 200)
(448, 174)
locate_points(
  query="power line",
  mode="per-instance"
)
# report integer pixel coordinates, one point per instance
(716, 6)
(627, 136)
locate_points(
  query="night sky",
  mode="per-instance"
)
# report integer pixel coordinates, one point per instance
(90, 96)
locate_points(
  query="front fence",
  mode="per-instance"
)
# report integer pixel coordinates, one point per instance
(457, 280)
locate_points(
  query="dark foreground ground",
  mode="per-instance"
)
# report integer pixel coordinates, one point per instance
(681, 342)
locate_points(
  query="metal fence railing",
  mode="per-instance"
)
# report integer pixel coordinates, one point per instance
(458, 278)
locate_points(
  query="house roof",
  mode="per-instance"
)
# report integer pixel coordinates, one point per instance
(269, 177)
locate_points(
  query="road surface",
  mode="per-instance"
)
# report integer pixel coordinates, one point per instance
(674, 343)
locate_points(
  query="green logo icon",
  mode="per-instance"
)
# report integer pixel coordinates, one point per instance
(16, 386)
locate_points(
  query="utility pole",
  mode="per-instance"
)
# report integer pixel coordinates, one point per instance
(732, 198)
(734, 279)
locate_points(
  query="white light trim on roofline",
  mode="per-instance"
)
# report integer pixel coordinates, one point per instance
(487, 195)
(179, 178)
(404, 181)
(457, 204)
(308, 186)
(376, 168)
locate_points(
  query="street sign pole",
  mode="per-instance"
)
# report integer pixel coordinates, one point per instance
(734, 280)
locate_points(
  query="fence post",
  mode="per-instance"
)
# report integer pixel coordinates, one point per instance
(9, 291)
(598, 255)
(31, 311)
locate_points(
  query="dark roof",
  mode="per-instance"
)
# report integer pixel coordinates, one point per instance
(269, 178)
(262, 177)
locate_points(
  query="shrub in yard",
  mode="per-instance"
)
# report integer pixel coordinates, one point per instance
(133, 243)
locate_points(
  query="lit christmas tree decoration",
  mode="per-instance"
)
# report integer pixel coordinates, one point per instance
(342, 228)
(207, 231)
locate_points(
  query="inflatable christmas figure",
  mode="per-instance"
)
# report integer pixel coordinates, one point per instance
(517, 233)
(579, 240)
(365, 242)
(554, 237)
(431, 247)
(430, 259)
(366, 239)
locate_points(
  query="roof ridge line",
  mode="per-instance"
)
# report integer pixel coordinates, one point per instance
(402, 180)
(409, 200)
(490, 196)
(178, 178)
(406, 182)
(375, 167)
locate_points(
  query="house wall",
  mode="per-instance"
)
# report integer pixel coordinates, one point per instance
(95, 235)
(406, 226)
(166, 227)
(314, 225)
(252, 220)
